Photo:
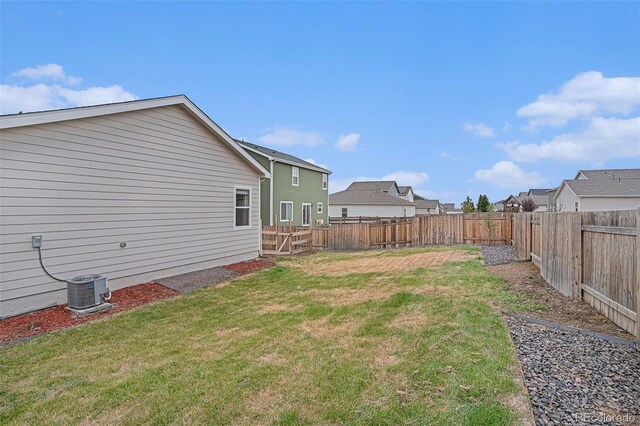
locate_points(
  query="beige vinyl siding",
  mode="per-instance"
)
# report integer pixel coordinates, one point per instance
(156, 179)
(566, 199)
(596, 204)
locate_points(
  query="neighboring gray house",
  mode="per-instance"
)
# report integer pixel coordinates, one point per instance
(425, 206)
(370, 199)
(551, 201)
(600, 190)
(134, 190)
(450, 208)
(540, 197)
(406, 192)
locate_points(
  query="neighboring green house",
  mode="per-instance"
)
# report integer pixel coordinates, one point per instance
(298, 191)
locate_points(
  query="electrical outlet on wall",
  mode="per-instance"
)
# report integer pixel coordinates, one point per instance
(36, 241)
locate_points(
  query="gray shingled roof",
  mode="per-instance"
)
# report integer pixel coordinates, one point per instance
(426, 204)
(367, 198)
(539, 191)
(404, 189)
(604, 187)
(611, 174)
(270, 152)
(372, 185)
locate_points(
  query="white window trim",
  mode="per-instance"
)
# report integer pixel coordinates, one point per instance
(280, 212)
(248, 188)
(320, 208)
(325, 182)
(310, 219)
(295, 173)
(347, 211)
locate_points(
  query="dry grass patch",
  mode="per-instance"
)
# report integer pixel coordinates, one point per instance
(322, 328)
(413, 319)
(378, 262)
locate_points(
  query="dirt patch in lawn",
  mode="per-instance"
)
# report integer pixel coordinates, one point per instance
(524, 278)
(389, 264)
(54, 318)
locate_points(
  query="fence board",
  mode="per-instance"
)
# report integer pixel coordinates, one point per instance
(593, 256)
(480, 228)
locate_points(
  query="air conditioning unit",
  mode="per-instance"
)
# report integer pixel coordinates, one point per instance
(86, 291)
(319, 222)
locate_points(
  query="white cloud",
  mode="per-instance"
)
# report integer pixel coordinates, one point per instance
(312, 161)
(603, 139)
(505, 174)
(585, 95)
(288, 137)
(348, 142)
(47, 71)
(404, 178)
(43, 96)
(480, 130)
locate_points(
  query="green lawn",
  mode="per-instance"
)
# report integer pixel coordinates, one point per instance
(284, 346)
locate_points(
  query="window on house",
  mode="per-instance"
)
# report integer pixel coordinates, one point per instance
(295, 176)
(243, 207)
(320, 207)
(576, 206)
(344, 212)
(325, 181)
(286, 211)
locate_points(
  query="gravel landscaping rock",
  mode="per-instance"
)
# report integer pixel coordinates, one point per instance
(198, 279)
(498, 254)
(576, 379)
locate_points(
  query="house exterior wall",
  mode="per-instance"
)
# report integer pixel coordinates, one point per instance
(427, 211)
(309, 190)
(566, 199)
(373, 211)
(595, 204)
(155, 179)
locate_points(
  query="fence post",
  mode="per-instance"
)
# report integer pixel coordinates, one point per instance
(638, 279)
(527, 240)
(576, 242)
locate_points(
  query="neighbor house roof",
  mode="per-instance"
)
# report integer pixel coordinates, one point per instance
(367, 197)
(404, 190)
(512, 198)
(373, 185)
(53, 116)
(426, 204)
(282, 157)
(603, 187)
(539, 191)
(609, 174)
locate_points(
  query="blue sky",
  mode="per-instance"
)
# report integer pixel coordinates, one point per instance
(455, 99)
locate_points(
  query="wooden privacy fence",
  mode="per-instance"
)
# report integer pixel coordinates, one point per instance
(590, 256)
(479, 228)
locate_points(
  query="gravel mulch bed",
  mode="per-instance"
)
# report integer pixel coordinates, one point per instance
(576, 379)
(198, 279)
(498, 254)
(56, 317)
